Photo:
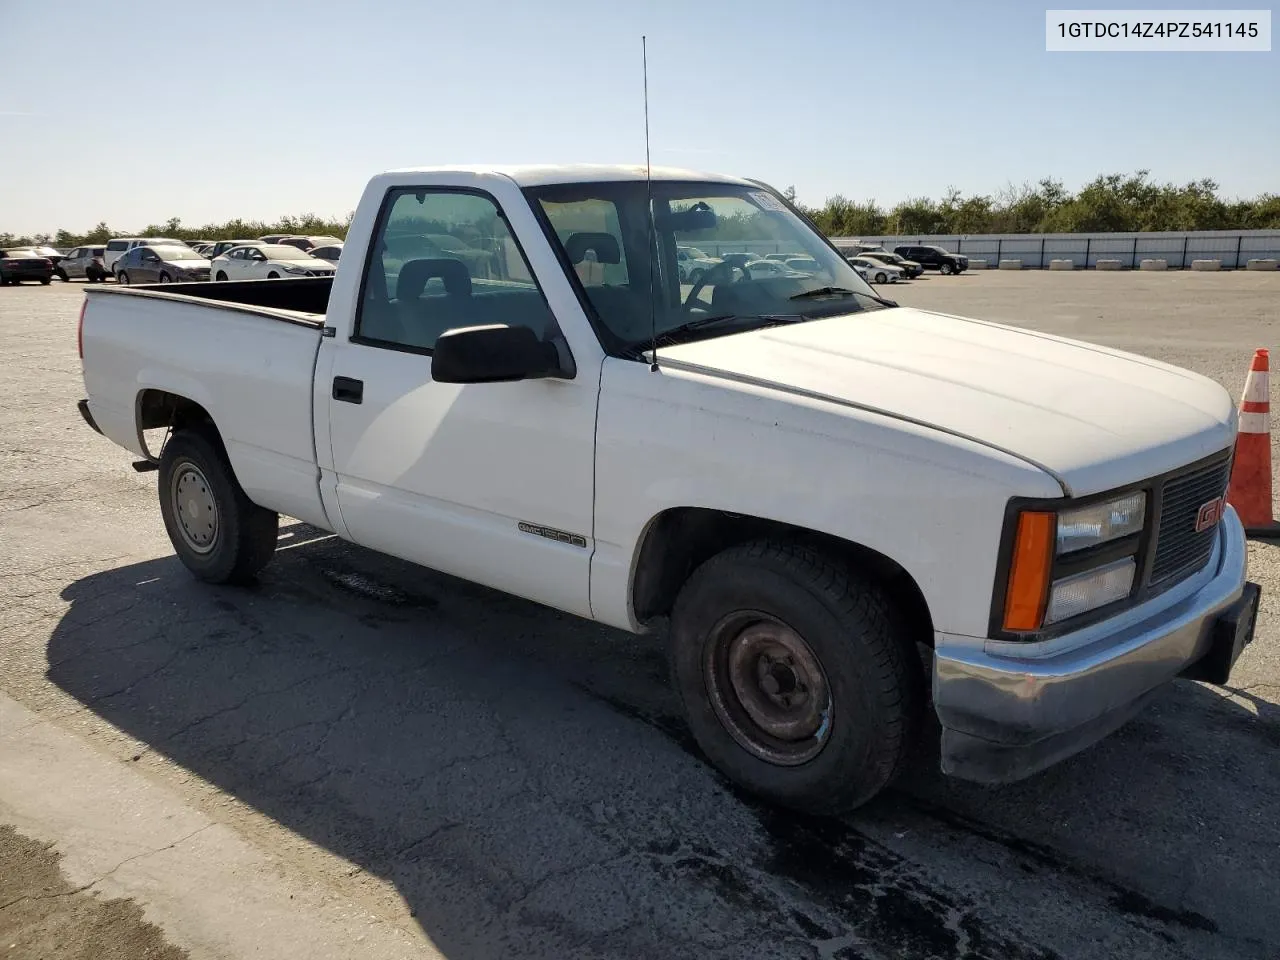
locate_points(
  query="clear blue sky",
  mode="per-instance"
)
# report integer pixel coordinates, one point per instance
(135, 113)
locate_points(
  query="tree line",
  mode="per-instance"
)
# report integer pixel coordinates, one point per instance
(1113, 202)
(1110, 203)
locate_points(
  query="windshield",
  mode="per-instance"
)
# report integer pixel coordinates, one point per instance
(603, 230)
(177, 253)
(285, 252)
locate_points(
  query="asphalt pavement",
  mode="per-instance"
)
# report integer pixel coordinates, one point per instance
(486, 777)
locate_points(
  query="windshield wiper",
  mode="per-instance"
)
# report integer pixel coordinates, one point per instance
(841, 292)
(700, 323)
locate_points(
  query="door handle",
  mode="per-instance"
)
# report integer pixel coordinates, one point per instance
(348, 390)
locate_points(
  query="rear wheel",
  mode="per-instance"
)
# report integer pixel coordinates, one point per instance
(46, 281)
(218, 533)
(62, 275)
(795, 679)
(220, 276)
(273, 275)
(164, 278)
(122, 277)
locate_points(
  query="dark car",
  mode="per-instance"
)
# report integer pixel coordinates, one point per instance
(49, 253)
(934, 258)
(910, 268)
(19, 265)
(161, 265)
(222, 246)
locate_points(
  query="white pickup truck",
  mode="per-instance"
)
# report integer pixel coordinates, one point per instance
(837, 502)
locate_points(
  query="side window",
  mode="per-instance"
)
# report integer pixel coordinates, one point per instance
(445, 259)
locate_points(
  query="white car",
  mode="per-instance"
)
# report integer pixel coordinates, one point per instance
(769, 270)
(875, 272)
(816, 485)
(692, 263)
(268, 261)
(119, 246)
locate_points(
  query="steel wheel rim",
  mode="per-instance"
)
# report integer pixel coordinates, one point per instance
(768, 688)
(194, 508)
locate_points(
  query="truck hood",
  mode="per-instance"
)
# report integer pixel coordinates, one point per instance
(1092, 417)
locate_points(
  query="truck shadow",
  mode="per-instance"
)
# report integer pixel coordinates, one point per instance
(482, 755)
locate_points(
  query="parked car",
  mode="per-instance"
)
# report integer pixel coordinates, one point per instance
(17, 265)
(877, 272)
(85, 263)
(330, 252)
(692, 263)
(1058, 561)
(309, 243)
(52, 254)
(161, 264)
(222, 246)
(201, 247)
(770, 270)
(278, 237)
(268, 261)
(803, 264)
(933, 258)
(119, 246)
(910, 269)
(784, 257)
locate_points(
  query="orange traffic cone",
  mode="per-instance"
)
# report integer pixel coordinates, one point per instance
(1250, 488)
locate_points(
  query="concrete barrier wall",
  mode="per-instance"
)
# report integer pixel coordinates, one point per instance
(1154, 265)
(1010, 264)
(1110, 264)
(1206, 265)
(977, 264)
(1062, 264)
(1267, 264)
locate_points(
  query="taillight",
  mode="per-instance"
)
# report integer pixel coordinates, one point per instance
(80, 329)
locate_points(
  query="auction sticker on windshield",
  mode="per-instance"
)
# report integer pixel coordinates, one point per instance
(767, 201)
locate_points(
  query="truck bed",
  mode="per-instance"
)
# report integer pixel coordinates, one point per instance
(298, 296)
(244, 351)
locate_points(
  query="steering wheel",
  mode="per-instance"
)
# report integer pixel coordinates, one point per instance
(706, 278)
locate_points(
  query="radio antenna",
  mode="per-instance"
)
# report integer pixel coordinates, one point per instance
(648, 189)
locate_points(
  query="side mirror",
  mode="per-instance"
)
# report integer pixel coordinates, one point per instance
(494, 354)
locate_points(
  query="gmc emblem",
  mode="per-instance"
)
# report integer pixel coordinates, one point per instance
(1209, 514)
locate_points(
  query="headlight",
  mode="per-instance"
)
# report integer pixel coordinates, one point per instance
(294, 269)
(1089, 526)
(1051, 577)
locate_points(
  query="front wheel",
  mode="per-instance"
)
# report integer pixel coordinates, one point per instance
(122, 277)
(219, 534)
(796, 681)
(882, 278)
(62, 275)
(220, 276)
(273, 275)
(945, 269)
(46, 281)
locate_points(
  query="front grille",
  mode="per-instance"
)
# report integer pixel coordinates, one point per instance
(1180, 550)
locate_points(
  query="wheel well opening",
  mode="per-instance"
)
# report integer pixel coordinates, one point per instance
(679, 540)
(160, 410)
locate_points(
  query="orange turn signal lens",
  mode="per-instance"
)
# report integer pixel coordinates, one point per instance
(1029, 571)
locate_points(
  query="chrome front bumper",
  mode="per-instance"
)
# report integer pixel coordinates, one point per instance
(1009, 710)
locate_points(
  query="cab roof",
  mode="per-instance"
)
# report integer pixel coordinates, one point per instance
(537, 175)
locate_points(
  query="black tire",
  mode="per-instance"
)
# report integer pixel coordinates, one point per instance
(696, 275)
(242, 535)
(62, 275)
(874, 687)
(122, 277)
(46, 281)
(944, 268)
(164, 278)
(220, 276)
(882, 278)
(273, 275)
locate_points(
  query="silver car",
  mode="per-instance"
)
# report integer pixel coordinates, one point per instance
(85, 263)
